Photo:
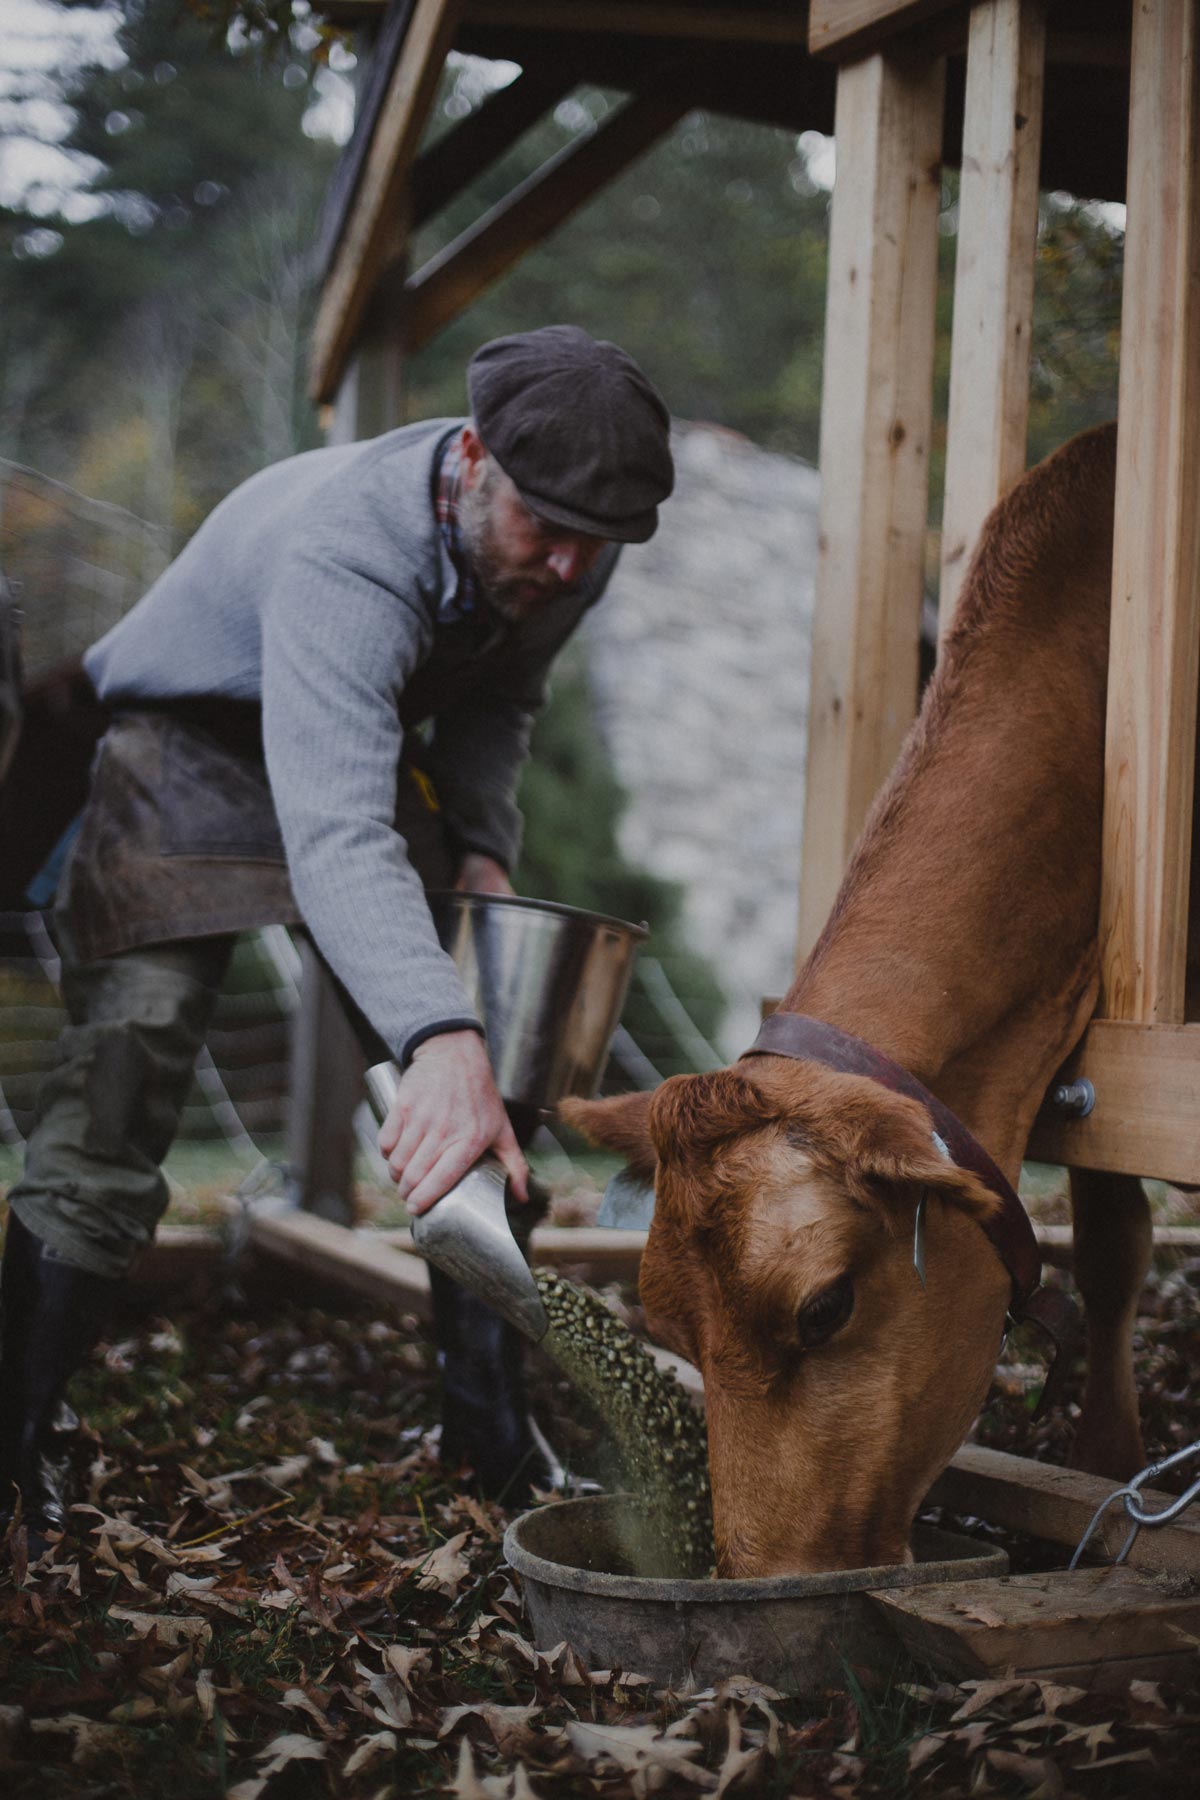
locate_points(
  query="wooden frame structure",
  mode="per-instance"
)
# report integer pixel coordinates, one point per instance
(1023, 94)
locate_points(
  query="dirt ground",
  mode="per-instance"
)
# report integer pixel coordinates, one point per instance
(271, 1588)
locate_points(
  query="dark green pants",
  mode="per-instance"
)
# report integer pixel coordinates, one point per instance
(108, 1112)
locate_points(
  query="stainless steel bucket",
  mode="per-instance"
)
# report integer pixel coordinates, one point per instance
(548, 982)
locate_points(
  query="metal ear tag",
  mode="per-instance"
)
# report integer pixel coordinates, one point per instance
(919, 1241)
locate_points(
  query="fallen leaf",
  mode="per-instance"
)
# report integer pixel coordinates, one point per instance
(371, 1748)
(1038, 1773)
(172, 1628)
(291, 1747)
(442, 1569)
(508, 1725)
(985, 1692)
(637, 1750)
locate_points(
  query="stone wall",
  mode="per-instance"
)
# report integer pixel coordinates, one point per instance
(698, 659)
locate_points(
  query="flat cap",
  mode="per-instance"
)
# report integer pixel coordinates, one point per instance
(578, 429)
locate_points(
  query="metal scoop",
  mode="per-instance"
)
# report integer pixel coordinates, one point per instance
(468, 1235)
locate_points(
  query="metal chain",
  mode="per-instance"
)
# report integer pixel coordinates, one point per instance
(1129, 1494)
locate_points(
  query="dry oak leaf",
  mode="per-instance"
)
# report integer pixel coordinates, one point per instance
(983, 1693)
(172, 1628)
(639, 1751)
(378, 1744)
(292, 1747)
(468, 1785)
(405, 1661)
(509, 1725)
(1038, 1773)
(440, 1569)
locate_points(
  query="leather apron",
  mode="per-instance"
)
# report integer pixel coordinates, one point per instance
(179, 838)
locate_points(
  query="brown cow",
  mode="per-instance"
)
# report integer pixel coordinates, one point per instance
(963, 946)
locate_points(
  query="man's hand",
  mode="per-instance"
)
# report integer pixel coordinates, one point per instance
(446, 1113)
(480, 874)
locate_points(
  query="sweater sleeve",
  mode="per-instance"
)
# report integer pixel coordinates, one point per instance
(343, 630)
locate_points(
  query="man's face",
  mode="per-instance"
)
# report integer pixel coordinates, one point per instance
(522, 563)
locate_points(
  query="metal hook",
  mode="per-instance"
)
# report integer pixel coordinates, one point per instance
(1129, 1496)
(919, 1242)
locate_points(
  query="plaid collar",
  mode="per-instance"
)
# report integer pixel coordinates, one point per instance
(464, 599)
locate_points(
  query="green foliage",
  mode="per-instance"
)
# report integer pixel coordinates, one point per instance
(706, 260)
(151, 349)
(573, 803)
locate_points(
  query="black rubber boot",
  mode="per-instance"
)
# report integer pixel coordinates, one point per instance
(51, 1315)
(486, 1423)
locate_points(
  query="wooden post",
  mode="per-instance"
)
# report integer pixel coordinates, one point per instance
(1155, 645)
(993, 277)
(875, 423)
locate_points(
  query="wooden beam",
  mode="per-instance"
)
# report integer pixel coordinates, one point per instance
(449, 282)
(993, 276)
(1144, 1122)
(365, 242)
(1057, 1242)
(850, 28)
(325, 1087)
(598, 1253)
(874, 454)
(1155, 644)
(1056, 1504)
(731, 23)
(471, 146)
(359, 1260)
(1024, 1623)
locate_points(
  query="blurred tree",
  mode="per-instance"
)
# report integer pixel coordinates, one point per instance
(573, 802)
(706, 260)
(175, 285)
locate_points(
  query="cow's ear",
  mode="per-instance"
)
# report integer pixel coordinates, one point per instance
(621, 1123)
(903, 1148)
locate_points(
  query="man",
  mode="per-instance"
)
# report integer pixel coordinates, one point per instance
(354, 638)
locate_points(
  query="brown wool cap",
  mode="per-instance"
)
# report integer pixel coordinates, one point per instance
(578, 429)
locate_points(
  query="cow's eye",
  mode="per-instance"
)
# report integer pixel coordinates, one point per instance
(826, 1313)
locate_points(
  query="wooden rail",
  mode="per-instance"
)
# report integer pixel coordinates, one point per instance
(1155, 650)
(993, 276)
(874, 455)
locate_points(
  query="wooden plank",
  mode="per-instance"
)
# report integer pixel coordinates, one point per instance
(178, 1254)
(850, 28)
(680, 19)
(1144, 1123)
(1056, 1242)
(471, 146)
(1057, 1505)
(325, 1086)
(658, 18)
(599, 1253)
(993, 276)
(968, 1629)
(875, 424)
(378, 50)
(366, 240)
(448, 283)
(1155, 642)
(353, 1259)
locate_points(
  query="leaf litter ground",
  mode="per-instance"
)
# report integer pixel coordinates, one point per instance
(271, 1588)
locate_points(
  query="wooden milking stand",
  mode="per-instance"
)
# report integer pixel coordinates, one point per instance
(1042, 93)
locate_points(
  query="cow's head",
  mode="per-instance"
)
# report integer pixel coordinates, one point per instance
(780, 1262)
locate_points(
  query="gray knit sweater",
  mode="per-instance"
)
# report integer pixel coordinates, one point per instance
(317, 587)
